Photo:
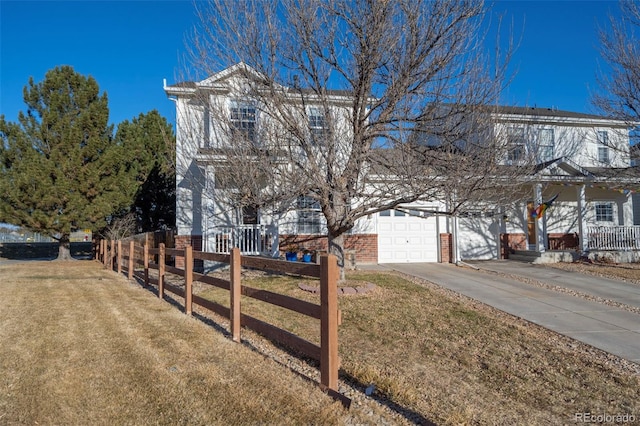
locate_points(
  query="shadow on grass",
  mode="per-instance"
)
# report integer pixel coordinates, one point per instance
(43, 251)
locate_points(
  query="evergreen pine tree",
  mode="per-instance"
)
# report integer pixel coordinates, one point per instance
(60, 170)
(149, 142)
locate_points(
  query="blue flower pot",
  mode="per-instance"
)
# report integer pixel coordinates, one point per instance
(306, 257)
(291, 257)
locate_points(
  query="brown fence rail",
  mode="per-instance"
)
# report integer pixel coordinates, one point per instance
(125, 256)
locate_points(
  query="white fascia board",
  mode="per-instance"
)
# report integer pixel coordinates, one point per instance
(565, 121)
(179, 91)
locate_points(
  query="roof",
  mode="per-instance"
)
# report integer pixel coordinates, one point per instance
(545, 112)
(213, 80)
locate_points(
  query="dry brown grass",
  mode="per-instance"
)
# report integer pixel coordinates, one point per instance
(458, 362)
(79, 345)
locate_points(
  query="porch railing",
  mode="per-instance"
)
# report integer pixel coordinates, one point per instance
(250, 239)
(613, 237)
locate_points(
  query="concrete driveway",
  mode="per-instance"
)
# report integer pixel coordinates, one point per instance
(611, 329)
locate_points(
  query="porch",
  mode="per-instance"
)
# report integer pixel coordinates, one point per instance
(250, 239)
(619, 244)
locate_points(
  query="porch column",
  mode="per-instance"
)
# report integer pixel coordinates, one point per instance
(537, 200)
(625, 210)
(582, 223)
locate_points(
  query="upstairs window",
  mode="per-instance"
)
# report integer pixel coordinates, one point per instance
(317, 125)
(309, 216)
(516, 144)
(243, 120)
(603, 147)
(546, 144)
(604, 212)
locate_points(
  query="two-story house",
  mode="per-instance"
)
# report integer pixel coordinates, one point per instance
(582, 163)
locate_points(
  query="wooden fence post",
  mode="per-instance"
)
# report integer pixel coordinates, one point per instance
(146, 263)
(188, 279)
(119, 258)
(112, 254)
(235, 294)
(329, 362)
(132, 251)
(161, 272)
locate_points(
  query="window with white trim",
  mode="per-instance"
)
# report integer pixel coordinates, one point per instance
(317, 125)
(603, 147)
(546, 144)
(516, 143)
(243, 120)
(310, 219)
(604, 212)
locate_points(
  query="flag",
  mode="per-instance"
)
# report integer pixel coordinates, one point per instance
(538, 212)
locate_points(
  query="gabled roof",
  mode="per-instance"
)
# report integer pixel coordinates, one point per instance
(219, 79)
(562, 167)
(564, 170)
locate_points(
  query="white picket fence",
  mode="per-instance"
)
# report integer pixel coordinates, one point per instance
(250, 239)
(613, 237)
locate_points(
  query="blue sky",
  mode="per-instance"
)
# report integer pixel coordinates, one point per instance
(130, 46)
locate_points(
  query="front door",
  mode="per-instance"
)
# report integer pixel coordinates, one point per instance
(250, 215)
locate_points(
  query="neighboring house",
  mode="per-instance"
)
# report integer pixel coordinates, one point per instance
(583, 159)
(635, 162)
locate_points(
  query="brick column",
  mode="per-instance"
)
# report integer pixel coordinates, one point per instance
(446, 245)
(181, 241)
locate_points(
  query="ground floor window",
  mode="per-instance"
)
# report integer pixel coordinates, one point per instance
(310, 219)
(604, 212)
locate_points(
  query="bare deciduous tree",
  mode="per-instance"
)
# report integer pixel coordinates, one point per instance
(620, 47)
(364, 105)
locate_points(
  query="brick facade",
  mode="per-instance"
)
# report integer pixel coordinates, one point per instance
(181, 241)
(446, 248)
(511, 242)
(559, 241)
(363, 246)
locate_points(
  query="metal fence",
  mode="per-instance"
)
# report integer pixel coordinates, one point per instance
(24, 237)
(613, 237)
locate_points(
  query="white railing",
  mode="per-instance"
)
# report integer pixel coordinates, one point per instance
(613, 237)
(250, 239)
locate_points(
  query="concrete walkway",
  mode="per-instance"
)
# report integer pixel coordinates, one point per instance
(611, 329)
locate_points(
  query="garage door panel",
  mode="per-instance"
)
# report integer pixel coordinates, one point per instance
(415, 226)
(385, 227)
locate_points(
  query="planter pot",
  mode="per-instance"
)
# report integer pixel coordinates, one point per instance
(291, 257)
(306, 257)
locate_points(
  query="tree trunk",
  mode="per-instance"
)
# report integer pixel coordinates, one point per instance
(64, 250)
(336, 247)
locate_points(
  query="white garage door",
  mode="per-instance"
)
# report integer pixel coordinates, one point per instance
(477, 237)
(405, 237)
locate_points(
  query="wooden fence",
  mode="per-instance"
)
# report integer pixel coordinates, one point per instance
(125, 257)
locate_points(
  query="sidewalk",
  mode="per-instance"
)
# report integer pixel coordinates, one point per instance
(608, 328)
